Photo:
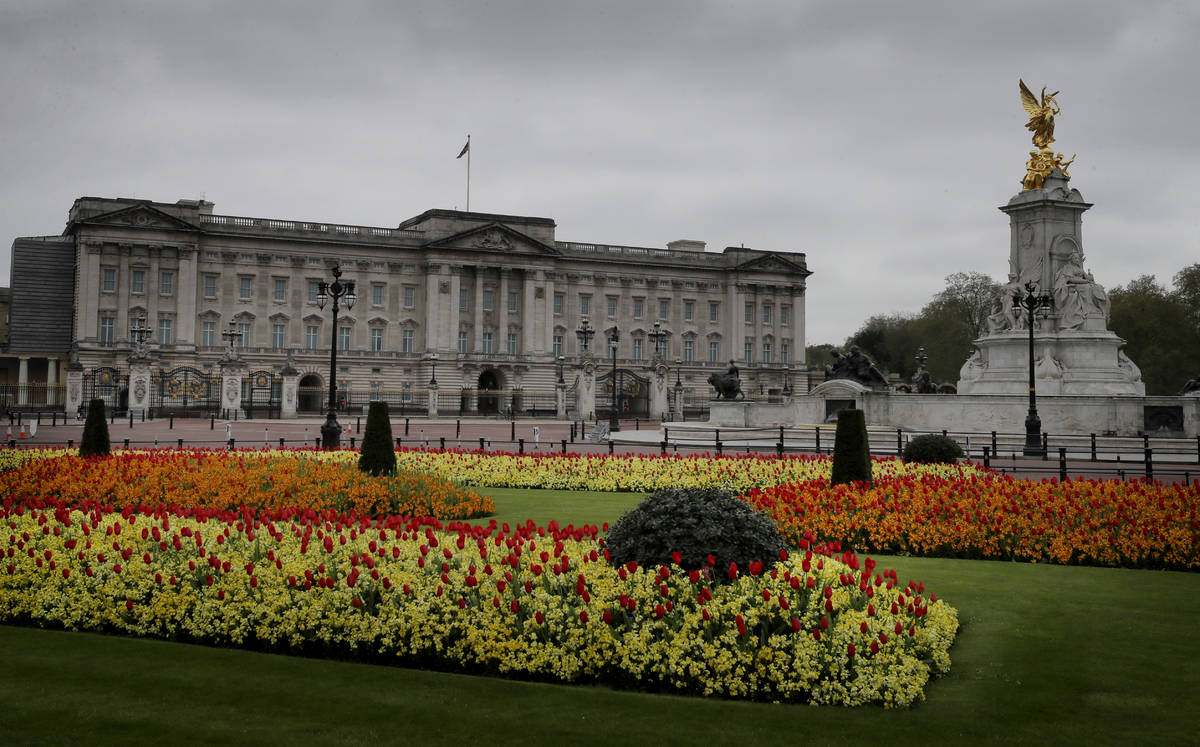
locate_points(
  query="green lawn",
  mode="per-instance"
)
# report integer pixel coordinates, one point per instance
(1046, 655)
(576, 507)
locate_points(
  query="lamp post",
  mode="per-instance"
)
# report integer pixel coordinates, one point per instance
(787, 380)
(560, 360)
(614, 336)
(331, 431)
(678, 388)
(1034, 304)
(433, 359)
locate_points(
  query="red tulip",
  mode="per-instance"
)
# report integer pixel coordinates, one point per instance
(741, 625)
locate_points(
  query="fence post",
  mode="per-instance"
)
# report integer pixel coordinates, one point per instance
(994, 449)
(171, 422)
(564, 446)
(637, 424)
(1145, 440)
(352, 442)
(457, 429)
(779, 449)
(610, 446)
(1062, 463)
(232, 441)
(397, 442)
(12, 443)
(663, 446)
(443, 442)
(481, 443)
(281, 443)
(39, 417)
(358, 424)
(1197, 446)
(179, 441)
(1149, 463)
(718, 445)
(512, 431)
(127, 444)
(317, 442)
(212, 422)
(143, 414)
(111, 421)
(944, 433)
(987, 458)
(1045, 446)
(818, 431)
(520, 446)
(899, 442)
(1093, 447)
(406, 426)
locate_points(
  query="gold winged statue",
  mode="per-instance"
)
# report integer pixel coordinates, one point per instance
(1042, 159)
(1041, 114)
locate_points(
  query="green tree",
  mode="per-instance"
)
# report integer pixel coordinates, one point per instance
(377, 457)
(1159, 332)
(95, 441)
(1187, 291)
(887, 339)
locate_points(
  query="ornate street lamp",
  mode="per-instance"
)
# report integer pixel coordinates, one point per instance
(139, 333)
(1034, 304)
(232, 336)
(585, 333)
(331, 431)
(657, 335)
(787, 380)
(678, 388)
(560, 360)
(614, 336)
(433, 359)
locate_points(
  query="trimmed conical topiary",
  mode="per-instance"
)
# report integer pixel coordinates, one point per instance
(377, 457)
(95, 440)
(851, 450)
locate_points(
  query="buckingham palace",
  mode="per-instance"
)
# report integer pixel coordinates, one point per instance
(453, 312)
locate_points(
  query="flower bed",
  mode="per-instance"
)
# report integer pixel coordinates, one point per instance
(222, 480)
(819, 626)
(1091, 522)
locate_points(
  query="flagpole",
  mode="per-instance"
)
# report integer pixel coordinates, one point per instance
(468, 173)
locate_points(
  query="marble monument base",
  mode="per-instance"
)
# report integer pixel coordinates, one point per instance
(1068, 362)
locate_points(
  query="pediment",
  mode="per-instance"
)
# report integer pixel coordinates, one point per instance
(497, 238)
(313, 319)
(141, 215)
(777, 263)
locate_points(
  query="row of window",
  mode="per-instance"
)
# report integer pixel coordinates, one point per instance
(137, 281)
(209, 338)
(378, 291)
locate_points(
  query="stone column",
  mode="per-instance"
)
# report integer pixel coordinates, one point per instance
(186, 291)
(23, 380)
(124, 286)
(231, 387)
(477, 343)
(530, 341)
(88, 296)
(560, 400)
(139, 385)
(52, 381)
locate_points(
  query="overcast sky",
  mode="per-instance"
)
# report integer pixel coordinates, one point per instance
(879, 138)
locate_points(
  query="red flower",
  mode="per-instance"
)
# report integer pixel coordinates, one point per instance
(357, 602)
(514, 606)
(712, 561)
(733, 571)
(659, 611)
(863, 627)
(874, 647)
(607, 617)
(128, 605)
(755, 568)
(795, 625)
(583, 616)
(676, 558)
(849, 649)
(538, 617)
(741, 625)
(824, 623)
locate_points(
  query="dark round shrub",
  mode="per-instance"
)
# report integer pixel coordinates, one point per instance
(696, 523)
(932, 448)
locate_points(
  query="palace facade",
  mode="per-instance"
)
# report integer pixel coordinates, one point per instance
(472, 301)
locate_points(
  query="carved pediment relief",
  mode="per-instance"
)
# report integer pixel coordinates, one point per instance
(314, 319)
(774, 263)
(495, 237)
(141, 215)
(279, 318)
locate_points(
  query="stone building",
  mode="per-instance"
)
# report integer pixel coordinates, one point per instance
(487, 306)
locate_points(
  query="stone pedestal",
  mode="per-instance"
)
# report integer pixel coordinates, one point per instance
(74, 391)
(585, 390)
(659, 406)
(432, 405)
(231, 388)
(1075, 352)
(291, 389)
(139, 386)
(560, 400)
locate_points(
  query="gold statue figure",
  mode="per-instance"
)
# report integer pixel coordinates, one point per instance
(1042, 159)
(1041, 114)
